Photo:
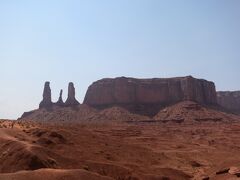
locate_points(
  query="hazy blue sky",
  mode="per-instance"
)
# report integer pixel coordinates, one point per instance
(85, 40)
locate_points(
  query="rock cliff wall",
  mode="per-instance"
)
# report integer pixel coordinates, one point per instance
(149, 93)
(229, 100)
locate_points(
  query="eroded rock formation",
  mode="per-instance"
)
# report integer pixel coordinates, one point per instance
(71, 100)
(60, 100)
(229, 100)
(144, 94)
(47, 97)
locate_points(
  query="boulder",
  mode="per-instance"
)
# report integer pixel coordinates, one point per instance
(229, 100)
(47, 97)
(223, 171)
(235, 171)
(71, 100)
(144, 94)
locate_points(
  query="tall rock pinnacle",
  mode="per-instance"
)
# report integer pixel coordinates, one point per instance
(60, 100)
(47, 97)
(71, 100)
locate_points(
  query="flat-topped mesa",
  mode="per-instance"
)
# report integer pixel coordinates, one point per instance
(229, 100)
(71, 100)
(149, 94)
(47, 97)
(60, 100)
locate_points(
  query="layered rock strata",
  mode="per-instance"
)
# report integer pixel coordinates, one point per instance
(149, 94)
(229, 100)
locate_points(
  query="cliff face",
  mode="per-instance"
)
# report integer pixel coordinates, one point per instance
(229, 100)
(150, 93)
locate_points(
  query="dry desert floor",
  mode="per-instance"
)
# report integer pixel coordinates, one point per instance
(136, 150)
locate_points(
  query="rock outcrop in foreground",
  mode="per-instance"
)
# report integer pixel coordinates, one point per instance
(149, 94)
(229, 100)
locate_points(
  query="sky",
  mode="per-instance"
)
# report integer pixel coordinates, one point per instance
(82, 41)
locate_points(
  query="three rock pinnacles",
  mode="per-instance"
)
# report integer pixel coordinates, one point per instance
(47, 97)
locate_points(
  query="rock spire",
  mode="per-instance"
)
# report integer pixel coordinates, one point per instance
(71, 100)
(60, 100)
(47, 97)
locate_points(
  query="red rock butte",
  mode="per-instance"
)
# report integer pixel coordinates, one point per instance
(229, 100)
(146, 96)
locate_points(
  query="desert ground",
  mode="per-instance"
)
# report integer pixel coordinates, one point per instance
(124, 150)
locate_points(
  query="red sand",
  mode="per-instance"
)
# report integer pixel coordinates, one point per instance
(206, 142)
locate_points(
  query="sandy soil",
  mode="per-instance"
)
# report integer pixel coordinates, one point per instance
(121, 151)
(183, 141)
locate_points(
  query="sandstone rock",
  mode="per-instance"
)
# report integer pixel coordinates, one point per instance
(235, 171)
(205, 178)
(140, 94)
(223, 171)
(47, 97)
(71, 100)
(26, 114)
(60, 100)
(229, 100)
(188, 111)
